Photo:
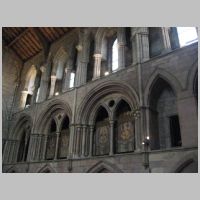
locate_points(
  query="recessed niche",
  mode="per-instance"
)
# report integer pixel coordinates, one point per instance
(111, 103)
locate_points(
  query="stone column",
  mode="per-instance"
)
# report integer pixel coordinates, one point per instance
(83, 57)
(68, 71)
(77, 144)
(11, 147)
(109, 57)
(23, 98)
(43, 84)
(111, 137)
(83, 141)
(10, 151)
(38, 147)
(57, 143)
(71, 141)
(121, 38)
(53, 83)
(78, 70)
(138, 141)
(33, 144)
(37, 85)
(45, 137)
(15, 149)
(6, 152)
(91, 140)
(166, 39)
(140, 44)
(97, 66)
(30, 150)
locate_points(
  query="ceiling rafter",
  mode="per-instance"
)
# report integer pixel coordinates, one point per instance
(44, 43)
(27, 42)
(18, 37)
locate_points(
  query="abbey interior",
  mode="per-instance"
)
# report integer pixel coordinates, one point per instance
(99, 100)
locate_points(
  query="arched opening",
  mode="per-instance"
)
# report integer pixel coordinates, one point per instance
(73, 71)
(29, 87)
(101, 133)
(64, 139)
(129, 46)
(59, 77)
(115, 55)
(187, 35)
(164, 120)
(51, 141)
(90, 66)
(182, 36)
(155, 41)
(24, 145)
(104, 59)
(72, 78)
(124, 129)
(57, 72)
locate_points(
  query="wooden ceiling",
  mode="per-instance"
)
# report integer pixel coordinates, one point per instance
(27, 42)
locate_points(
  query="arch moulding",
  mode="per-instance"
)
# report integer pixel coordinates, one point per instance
(53, 108)
(99, 92)
(163, 74)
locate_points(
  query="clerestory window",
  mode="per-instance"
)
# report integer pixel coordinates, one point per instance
(115, 56)
(187, 35)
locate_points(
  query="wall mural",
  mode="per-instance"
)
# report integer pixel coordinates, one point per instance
(125, 137)
(51, 146)
(63, 144)
(102, 138)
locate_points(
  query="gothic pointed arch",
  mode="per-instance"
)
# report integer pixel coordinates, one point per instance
(29, 87)
(46, 169)
(104, 167)
(163, 115)
(59, 62)
(21, 133)
(12, 169)
(161, 73)
(63, 143)
(192, 75)
(51, 140)
(107, 88)
(101, 135)
(99, 38)
(54, 107)
(61, 55)
(124, 136)
(51, 124)
(30, 78)
(23, 120)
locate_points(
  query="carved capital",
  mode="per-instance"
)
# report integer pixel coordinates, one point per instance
(79, 47)
(97, 55)
(53, 77)
(43, 69)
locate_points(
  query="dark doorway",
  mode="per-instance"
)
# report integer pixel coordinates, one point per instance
(28, 100)
(175, 131)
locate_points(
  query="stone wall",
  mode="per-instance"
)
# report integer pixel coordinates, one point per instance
(132, 83)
